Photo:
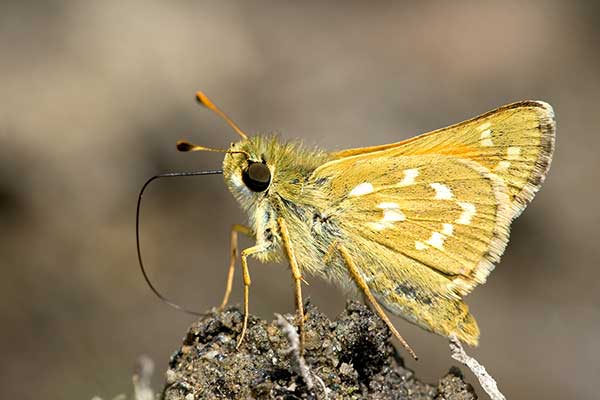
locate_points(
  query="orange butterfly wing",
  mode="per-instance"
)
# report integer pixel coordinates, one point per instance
(426, 219)
(514, 142)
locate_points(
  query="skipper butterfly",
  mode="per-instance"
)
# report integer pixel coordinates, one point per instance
(414, 225)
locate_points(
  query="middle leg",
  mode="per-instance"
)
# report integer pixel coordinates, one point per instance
(296, 275)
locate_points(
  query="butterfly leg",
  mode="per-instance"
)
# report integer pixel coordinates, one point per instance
(296, 275)
(247, 282)
(235, 229)
(360, 282)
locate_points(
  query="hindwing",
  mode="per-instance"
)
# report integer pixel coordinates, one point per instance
(444, 217)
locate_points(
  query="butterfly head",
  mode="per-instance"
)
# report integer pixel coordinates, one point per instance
(246, 169)
(258, 167)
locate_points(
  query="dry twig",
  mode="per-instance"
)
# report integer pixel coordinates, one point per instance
(485, 379)
(141, 379)
(302, 368)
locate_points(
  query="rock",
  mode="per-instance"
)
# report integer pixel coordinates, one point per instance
(349, 358)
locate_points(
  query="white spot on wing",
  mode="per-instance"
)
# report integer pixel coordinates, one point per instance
(409, 176)
(388, 205)
(484, 138)
(484, 126)
(436, 240)
(448, 229)
(393, 216)
(362, 189)
(442, 192)
(512, 153)
(467, 214)
(502, 166)
(379, 226)
(420, 245)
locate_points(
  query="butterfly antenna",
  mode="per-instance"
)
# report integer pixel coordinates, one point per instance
(185, 146)
(137, 235)
(205, 101)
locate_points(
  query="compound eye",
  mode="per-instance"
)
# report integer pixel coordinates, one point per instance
(257, 176)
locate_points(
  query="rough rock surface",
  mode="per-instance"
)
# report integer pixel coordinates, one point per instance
(348, 358)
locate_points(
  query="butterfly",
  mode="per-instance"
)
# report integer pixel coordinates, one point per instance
(414, 226)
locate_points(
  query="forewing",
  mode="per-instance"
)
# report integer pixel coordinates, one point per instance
(515, 142)
(446, 219)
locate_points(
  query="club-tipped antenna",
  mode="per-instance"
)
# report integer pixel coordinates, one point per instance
(185, 146)
(137, 235)
(205, 101)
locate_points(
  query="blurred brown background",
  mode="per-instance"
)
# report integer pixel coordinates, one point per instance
(95, 94)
